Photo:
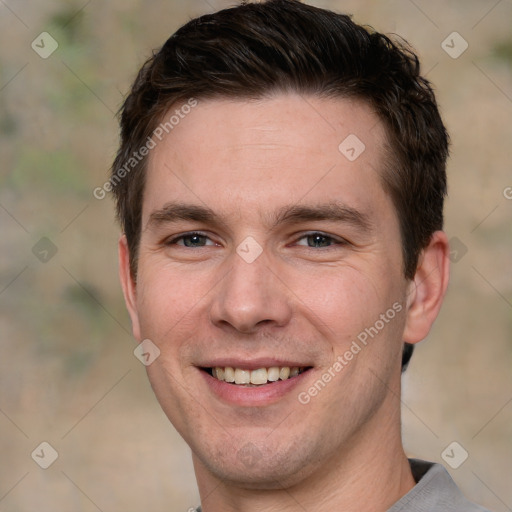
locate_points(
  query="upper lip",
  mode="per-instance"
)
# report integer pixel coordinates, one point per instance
(252, 364)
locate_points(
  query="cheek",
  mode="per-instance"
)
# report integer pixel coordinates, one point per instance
(168, 300)
(344, 300)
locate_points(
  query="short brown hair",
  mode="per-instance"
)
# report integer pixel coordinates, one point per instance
(257, 49)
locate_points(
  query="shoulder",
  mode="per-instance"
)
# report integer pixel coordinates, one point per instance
(434, 491)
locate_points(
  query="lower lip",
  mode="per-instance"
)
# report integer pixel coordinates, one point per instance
(251, 396)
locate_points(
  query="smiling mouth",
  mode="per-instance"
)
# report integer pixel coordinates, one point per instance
(259, 377)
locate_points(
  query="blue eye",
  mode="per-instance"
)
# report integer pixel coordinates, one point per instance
(190, 240)
(314, 240)
(319, 240)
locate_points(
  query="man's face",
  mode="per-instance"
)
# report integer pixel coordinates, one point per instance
(211, 299)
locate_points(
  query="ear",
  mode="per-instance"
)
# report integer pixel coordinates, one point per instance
(128, 284)
(427, 289)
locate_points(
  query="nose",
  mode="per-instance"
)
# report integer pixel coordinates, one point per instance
(250, 297)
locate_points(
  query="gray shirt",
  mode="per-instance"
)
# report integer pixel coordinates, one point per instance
(435, 491)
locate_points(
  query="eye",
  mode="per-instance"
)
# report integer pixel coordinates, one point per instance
(191, 240)
(314, 240)
(319, 240)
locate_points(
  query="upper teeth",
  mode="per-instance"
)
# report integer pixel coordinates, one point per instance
(259, 376)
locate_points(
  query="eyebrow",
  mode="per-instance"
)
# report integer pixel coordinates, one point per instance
(289, 214)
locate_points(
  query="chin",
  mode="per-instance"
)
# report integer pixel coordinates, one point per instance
(253, 468)
(267, 476)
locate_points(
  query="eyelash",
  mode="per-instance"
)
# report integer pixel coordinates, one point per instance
(191, 234)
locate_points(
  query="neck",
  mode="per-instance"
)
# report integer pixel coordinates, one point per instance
(370, 472)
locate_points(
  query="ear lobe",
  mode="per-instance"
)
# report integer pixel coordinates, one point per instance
(128, 285)
(428, 288)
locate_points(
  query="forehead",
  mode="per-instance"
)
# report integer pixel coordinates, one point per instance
(257, 155)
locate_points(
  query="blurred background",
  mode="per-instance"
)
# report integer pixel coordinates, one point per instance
(68, 375)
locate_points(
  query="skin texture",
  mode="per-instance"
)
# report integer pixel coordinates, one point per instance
(303, 299)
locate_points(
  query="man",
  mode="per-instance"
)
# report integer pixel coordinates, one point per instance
(280, 184)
